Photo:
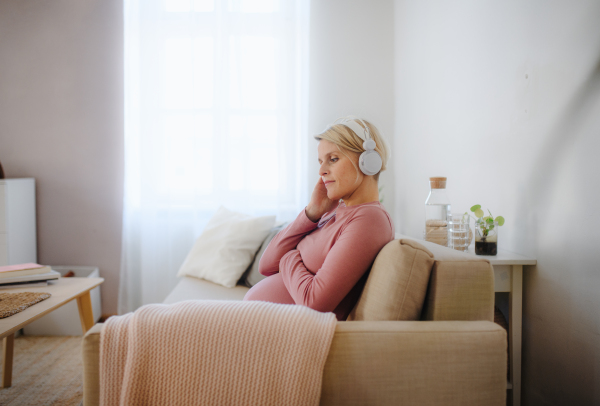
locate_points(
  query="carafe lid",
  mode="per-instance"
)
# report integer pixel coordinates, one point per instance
(437, 182)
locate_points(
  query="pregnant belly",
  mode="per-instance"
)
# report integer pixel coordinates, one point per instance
(271, 289)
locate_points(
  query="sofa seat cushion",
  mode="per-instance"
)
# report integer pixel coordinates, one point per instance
(190, 288)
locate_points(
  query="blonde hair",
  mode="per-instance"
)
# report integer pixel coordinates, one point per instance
(346, 139)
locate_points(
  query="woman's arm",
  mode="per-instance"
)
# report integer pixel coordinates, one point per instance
(286, 240)
(351, 255)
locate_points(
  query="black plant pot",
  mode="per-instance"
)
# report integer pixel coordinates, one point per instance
(486, 248)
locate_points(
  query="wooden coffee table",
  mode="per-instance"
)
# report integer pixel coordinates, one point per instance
(63, 291)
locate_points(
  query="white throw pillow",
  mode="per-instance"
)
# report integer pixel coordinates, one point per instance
(226, 247)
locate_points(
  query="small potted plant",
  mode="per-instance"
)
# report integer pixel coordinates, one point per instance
(486, 231)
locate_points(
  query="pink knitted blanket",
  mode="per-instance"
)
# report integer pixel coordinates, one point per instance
(215, 353)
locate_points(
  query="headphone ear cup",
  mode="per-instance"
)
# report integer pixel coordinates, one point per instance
(370, 162)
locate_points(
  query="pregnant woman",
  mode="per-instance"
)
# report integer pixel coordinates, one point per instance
(321, 259)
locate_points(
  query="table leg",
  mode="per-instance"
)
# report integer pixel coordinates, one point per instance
(8, 349)
(515, 311)
(84, 304)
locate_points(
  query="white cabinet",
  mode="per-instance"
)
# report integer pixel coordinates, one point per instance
(17, 221)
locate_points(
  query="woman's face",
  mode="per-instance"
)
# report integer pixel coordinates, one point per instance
(337, 171)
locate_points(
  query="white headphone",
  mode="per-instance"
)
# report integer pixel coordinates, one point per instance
(369, 161)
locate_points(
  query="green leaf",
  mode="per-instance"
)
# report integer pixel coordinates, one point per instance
(475, 208)
(491, 227)
(500, 220)
(489, 220)
(478, 213)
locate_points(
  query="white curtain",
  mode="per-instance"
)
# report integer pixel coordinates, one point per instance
(215, 94)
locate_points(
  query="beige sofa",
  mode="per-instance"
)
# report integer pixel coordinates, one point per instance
(455, 354)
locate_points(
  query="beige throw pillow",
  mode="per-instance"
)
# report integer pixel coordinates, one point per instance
(397, 284)
(226, 247)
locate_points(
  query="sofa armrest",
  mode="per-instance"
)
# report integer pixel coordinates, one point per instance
(390, 363)
(461, 286)
(416, 363)
(460, 291)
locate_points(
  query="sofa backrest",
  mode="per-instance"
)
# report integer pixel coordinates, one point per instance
(418, 280)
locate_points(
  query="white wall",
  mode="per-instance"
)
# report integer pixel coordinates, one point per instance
(351, 72)
(61, 122)
(503, 98)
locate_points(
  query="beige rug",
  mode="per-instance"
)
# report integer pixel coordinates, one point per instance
(46, 371)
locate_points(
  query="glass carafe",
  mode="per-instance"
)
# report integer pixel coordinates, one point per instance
(437, 209)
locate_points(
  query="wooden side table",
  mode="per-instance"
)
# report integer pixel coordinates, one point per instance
(63, 291)
(508, 277)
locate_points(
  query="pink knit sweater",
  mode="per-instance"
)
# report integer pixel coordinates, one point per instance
(323, 265)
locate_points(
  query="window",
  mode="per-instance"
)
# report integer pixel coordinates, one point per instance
(214, 96)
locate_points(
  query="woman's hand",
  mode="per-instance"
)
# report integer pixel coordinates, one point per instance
(319, 202)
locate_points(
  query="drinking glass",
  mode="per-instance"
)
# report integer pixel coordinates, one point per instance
(459, 232)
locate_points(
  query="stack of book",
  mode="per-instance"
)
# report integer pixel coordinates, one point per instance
(26, 275)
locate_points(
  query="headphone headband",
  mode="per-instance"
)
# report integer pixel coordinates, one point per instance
(351, 122)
